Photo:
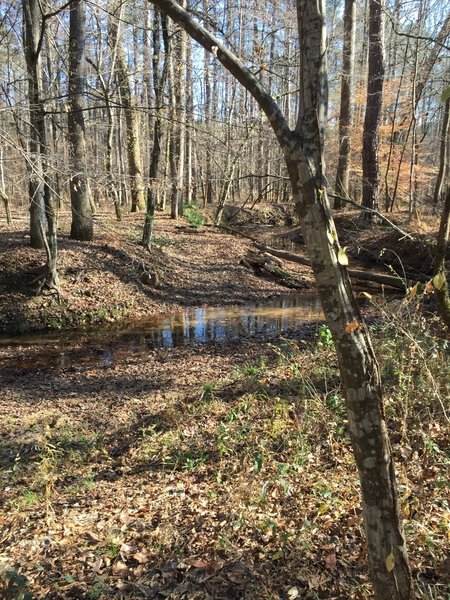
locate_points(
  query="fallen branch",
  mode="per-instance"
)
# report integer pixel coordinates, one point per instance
(380, 278)
(266, 264)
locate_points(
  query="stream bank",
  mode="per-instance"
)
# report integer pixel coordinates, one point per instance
(114, 278)
(105, 280)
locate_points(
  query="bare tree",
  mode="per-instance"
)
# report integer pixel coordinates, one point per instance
(345, 115)
(375, 81)
(33, 38)
(42, 210)
(303, 152)
(159, 73)
(131, 115)
(443, 155)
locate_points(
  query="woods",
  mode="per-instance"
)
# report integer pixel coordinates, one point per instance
(162, 109)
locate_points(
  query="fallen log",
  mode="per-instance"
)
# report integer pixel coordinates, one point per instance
(381, 278)
(266, 264)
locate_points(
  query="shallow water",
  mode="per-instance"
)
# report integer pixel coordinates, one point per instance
(108, 344)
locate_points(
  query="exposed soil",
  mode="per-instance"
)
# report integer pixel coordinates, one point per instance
(106, 279)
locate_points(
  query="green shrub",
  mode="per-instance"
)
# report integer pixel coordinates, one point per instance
(193, 215)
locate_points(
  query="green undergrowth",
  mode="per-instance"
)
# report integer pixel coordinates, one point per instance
(258, 465)
(193, 215)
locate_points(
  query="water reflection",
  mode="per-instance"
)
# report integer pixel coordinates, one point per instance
(109, 344)
(202, 325)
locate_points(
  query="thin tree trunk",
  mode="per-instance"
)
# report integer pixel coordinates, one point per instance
(440, 279)
(82, 227)
(5, 199)
(159, 77)
(371, 173)
(131, 116)
(229, 178)
(43, 219)
(32, 33)
(387, 188)
(208, 117)
(180, 98)
(3, 195)
(346, 113)
(422, 78)
(111, 186)
(414, 104)
(189, 120)
(443, 155)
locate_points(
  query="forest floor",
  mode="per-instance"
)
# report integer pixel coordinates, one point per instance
(105, 280)
(211, 471)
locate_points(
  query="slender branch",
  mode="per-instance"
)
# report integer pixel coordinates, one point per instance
(373, 211)
(413, 36)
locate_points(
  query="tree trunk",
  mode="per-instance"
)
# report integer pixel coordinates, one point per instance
(440, 279)
(5, 199)
(32, 32)
(3, 195)
(443, 155)
(180, 99)
(131, 117)
(43, 219)
(345, 116)
(82, 227)
(421, 80)
(159, 78)
(302, 150)
(375, 80)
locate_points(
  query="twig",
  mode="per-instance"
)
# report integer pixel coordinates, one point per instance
(373, 211)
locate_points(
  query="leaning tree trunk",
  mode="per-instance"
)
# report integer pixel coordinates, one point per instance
(43, 218)
(82, 227)
(345, 115)
(302, 150)
(375, 80)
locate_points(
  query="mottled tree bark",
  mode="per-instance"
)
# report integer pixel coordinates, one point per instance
(372, 119)
(346, 113)
(303, 152)
(82, 227)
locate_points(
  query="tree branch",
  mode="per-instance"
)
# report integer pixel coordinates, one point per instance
(231, 62)
(374, 212)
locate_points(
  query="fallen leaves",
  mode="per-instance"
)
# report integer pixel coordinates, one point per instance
(162, 491)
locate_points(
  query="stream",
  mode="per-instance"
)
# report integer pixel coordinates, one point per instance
(108, 344)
